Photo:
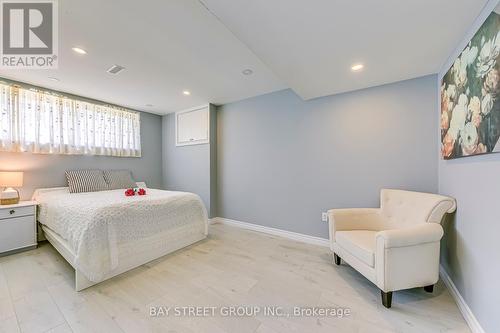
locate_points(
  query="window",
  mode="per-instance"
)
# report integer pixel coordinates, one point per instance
(43, 122)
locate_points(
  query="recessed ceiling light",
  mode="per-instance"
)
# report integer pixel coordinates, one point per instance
(54, 78)
(79, 50)
(247, 71)
(186, 92)
(357, 67)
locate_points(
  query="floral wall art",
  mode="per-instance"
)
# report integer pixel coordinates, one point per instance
(470, 96)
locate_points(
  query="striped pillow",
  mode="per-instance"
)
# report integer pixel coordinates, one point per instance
(119, 179)
(86, 181)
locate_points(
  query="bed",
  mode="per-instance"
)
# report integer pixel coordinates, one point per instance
(103, 234)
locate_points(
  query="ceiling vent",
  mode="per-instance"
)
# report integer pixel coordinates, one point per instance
(115, 69)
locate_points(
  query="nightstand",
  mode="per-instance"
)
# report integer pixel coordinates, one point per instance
(17, 227)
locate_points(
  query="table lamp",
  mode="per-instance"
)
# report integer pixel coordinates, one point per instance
(10, 180)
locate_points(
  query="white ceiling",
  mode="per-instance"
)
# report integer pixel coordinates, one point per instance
(166, 47)
(309, 46)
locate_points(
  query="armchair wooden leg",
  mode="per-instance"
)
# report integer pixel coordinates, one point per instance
(429, 289)
(386, 298)
(337, 259)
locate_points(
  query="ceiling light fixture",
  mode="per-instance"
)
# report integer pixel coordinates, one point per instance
(149, 105)
(186, 92)
(54, 78)
(247, 71)
(357, 67)
(79, 50)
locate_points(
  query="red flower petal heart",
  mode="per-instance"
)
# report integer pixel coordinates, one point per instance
(130, 192)
(141, 191)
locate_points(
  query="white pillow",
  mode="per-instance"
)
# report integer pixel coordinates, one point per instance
(119, 179)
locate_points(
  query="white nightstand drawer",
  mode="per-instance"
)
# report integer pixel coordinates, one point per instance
(7, 212)
(16, 233)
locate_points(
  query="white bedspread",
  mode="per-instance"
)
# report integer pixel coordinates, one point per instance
(95, 224)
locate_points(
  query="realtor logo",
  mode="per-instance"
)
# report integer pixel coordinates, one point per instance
(29, 34)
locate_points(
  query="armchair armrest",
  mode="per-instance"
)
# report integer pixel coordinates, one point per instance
(408, 257)
(411, 236)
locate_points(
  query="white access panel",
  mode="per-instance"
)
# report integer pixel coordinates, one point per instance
(192, 126)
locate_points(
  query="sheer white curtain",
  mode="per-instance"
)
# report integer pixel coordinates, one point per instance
(41, 122)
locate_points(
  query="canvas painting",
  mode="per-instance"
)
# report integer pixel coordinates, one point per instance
(470, 99)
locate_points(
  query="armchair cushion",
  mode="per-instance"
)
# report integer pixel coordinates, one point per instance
(360, 243)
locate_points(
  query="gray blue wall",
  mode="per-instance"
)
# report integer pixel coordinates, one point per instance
(190, 168)
(48, 170)
(282, 161)
(471, 250)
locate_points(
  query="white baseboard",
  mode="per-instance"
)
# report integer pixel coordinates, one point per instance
(469, 317)
(273, 231)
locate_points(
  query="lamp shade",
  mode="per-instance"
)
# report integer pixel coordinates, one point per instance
(11, 179)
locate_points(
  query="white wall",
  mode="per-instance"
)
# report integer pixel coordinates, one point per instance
(471, 249)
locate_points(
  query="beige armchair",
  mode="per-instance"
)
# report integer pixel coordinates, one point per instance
(395, 246)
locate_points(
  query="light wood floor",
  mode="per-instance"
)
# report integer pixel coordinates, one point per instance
(231, 267)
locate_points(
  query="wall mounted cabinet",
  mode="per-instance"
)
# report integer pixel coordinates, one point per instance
(192, 127)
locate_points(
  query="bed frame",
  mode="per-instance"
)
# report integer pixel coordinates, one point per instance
(81, 282)
(144, 251)
(61, 246)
